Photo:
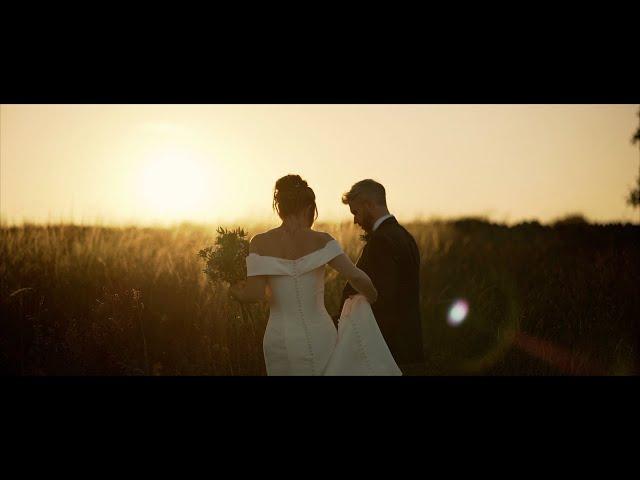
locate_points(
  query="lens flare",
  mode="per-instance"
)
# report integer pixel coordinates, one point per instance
(457, 313)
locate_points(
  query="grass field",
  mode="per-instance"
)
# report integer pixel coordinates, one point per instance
(132, 301)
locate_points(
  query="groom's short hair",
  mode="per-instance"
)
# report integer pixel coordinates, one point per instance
(366, 190)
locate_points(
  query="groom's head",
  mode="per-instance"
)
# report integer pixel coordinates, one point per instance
(367, 202)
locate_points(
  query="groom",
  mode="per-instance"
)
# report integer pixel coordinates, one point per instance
(392, 261)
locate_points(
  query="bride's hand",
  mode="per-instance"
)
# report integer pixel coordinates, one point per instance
(236, 289)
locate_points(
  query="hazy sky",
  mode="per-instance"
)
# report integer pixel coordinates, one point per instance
(148, 163)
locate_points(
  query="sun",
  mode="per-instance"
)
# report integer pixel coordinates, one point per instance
(174, 186)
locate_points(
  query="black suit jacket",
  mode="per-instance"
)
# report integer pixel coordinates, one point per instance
(392, 261)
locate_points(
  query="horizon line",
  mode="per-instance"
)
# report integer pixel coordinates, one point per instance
(575, 217)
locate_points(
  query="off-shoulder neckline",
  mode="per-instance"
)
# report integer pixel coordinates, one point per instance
(297, 259)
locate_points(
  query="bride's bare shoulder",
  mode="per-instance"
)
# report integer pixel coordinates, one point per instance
(264, 242)
(258, 242)
(323, 237)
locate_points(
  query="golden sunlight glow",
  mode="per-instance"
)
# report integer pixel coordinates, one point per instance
(176, 185)
(150, 164)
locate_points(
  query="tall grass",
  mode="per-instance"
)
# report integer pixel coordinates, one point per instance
(80, 300)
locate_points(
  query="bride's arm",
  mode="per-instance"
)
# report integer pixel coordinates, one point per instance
(356, 277)
(254, 288)
(251, 291)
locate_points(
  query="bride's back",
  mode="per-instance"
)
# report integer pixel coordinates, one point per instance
(300, 334)
(281, 243)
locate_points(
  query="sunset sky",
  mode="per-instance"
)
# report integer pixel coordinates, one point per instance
(207, 163)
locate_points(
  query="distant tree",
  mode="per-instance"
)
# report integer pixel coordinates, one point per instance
(571, 219)
(634, 195)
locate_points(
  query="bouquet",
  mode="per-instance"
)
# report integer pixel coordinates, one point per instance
(225, 261)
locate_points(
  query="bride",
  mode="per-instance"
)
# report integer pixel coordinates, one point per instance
(286, 266)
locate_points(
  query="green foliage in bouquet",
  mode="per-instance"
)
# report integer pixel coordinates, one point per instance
(225, 261)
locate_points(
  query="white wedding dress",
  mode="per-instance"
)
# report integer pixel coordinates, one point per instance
(301, 338)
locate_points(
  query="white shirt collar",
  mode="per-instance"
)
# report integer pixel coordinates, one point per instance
(380, 220)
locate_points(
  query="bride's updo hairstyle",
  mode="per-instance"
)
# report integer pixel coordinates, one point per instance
(292, 195)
